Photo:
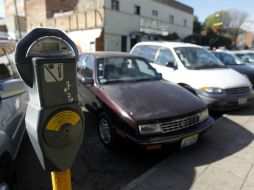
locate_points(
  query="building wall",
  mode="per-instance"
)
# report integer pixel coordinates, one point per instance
(9, 7)
(16, 26)
(35, 14)
(125, 22)
(88, 5)
(38, 11)
(116, 25)
(55, 6)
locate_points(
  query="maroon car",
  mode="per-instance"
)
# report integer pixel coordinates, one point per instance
(133, 102)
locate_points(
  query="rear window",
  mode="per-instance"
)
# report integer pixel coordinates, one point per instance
(146, 51)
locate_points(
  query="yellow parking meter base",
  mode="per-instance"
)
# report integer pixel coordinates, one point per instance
(61, 180)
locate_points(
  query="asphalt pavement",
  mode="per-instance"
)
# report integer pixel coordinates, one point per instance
(222, 159)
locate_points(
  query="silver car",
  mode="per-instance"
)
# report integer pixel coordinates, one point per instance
(13, 103)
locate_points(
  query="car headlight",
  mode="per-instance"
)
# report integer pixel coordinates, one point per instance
(203, 115)
(149, 129)
(211, 90)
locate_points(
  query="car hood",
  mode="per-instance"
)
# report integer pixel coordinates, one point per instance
(243, 68)
(153, 99)
(220, 78)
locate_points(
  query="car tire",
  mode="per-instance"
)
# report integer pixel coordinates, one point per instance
(105, 130)
(6, 173)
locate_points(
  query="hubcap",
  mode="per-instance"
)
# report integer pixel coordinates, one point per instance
(104, 131)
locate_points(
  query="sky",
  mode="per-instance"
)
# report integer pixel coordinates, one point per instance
(204, 8)
(1, 8)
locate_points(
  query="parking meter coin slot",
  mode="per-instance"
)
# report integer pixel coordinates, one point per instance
(62, 129)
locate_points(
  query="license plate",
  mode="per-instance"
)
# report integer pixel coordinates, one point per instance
(187, 141)
(242, 101)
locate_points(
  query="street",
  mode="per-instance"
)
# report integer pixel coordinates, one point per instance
(97, 167)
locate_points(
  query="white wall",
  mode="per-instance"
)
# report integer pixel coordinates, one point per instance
(85, 39)
(123, 22)
(127, 9)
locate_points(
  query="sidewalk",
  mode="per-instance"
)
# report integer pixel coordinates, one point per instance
(222, 160)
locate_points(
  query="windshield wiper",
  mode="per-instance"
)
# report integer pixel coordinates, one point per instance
(146, 79)
(114, 81)
(209, 67)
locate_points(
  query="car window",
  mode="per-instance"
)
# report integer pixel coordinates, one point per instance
(121, 69)
(197, 58)
(165, 57)
(81, 62)
(146, 51)
(88, 67)
(229, 59)
(145, 69)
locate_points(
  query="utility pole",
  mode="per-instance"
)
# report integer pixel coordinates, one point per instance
(17, 17)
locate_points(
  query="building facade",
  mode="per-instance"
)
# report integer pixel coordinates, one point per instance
(14, 19)
(127, 22)
(111, 25)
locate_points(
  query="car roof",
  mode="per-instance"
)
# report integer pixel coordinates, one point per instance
(106, 54)
(223, 51)
(168, 44)
(242, 51)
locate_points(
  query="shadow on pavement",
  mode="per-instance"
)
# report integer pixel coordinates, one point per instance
(247, 111)
(184, 166)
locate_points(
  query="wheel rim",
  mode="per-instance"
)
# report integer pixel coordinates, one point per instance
(104, 131)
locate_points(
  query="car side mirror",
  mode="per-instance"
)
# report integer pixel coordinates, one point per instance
(159, 76)
(172, 65)
(88, 81)
(11, 88)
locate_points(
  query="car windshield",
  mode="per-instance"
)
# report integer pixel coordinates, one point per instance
(197, 58)
(251, 55)
(231, 59)
(119, 69)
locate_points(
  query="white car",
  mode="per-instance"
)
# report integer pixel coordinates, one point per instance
(200, 72)
(246, 56)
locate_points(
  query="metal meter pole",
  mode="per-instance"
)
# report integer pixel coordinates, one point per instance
(61, 180)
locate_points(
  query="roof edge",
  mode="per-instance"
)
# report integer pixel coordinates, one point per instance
(177, 5)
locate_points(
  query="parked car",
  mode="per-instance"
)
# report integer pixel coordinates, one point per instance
(197, 70)
(246, 56)
(132, 102)
(232, 61)
(13, 102)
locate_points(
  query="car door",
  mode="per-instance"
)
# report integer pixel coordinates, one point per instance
(12, 112)
(13, 123)
(165, 64)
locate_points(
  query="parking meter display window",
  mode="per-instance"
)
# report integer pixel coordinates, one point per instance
(58, 85)
(46, 46)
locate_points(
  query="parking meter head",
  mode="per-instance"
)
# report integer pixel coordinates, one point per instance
(22, 58)
(46, 61)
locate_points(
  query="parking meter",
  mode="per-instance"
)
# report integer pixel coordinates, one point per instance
(46, 61)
